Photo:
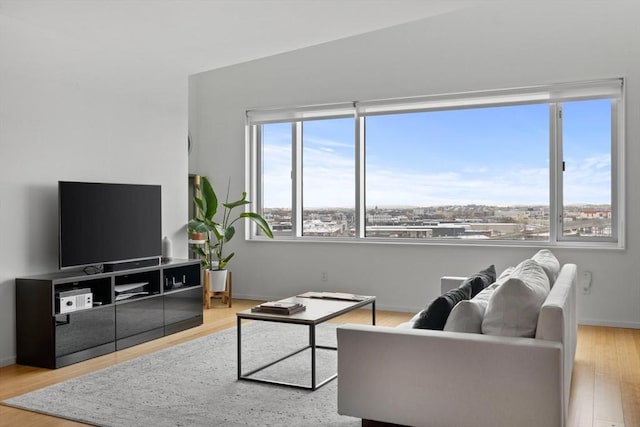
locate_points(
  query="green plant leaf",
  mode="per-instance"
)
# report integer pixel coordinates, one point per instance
(240, 202)
(218, 232)
(203, 256)
(236, 204)
(201, 204)
(198, 226)
(229, 233)
(192, 225)
(260, 222)
(210, 198)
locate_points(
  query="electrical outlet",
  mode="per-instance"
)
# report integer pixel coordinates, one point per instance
(324, 276)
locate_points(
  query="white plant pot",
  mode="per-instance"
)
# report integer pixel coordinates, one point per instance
(217, 280)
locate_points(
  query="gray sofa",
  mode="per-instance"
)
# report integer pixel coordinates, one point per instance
(436, 378)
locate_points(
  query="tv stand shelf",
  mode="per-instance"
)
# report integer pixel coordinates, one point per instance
(164, 299)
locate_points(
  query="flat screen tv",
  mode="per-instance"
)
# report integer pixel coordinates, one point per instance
(108, 224)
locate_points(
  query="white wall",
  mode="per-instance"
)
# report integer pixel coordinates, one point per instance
(483, 48)
(67, 115)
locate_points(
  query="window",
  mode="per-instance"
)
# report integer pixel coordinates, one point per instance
(276, 176)
(478, 173)
(532, 164)
(586, 149)
(328, 178)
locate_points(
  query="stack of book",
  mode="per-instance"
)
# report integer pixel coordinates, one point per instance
(278, 307)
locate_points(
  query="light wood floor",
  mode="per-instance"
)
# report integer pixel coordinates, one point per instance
(605, 390)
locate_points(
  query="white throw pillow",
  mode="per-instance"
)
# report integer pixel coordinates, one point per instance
(467, 315)
(514, 306)
(549, 264)
(506, 273)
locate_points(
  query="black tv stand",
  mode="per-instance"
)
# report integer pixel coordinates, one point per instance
(128, 307)
(129, 265)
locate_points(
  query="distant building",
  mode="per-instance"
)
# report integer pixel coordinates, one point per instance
(516, 214)
(379, 218)
(323, 229)
(399, 231)
(280, 227)
(595, 214)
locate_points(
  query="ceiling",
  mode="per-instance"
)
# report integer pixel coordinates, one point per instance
(190, 36)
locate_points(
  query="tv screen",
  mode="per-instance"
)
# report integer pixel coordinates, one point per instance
(103, 223)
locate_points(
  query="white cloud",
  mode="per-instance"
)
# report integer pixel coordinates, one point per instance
(329, 181)
(327, 143)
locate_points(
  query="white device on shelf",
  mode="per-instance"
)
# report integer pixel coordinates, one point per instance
(128, 287)
(130, 290)
(76, 299)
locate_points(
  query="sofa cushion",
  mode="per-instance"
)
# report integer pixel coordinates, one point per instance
(436, 314)
(549, 264)
(513, 308)
(467, 315)
(507, 272)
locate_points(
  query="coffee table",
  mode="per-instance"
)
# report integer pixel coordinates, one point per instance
(317, 311)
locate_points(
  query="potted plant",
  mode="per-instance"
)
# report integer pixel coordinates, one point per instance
(218, 233)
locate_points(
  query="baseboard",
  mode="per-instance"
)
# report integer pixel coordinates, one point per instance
(7, 361)
(609, 323)
(373, 423)
(254, 297)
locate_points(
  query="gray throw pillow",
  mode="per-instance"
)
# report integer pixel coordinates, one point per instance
(481, 280)
(436, 314)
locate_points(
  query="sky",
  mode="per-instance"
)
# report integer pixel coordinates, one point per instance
(490, 156)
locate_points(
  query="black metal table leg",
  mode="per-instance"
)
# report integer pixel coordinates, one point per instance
(239, 349)
(312, 343)
(373, 312)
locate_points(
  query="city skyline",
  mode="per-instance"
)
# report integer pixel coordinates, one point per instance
(585, 206)
(459, 222)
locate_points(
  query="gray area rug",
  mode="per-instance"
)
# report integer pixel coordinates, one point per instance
(195, 384)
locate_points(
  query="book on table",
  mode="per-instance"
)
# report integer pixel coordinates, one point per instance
(334, 295)
(279, 307)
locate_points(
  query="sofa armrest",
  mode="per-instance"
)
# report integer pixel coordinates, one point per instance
(558, 321)
(448, 283)
(436, 378)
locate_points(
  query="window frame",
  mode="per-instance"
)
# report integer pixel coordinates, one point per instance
(553, 95)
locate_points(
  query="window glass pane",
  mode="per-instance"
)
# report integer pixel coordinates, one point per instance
(276, 176)
(586, 145)
(478, 173)
(328, 177)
